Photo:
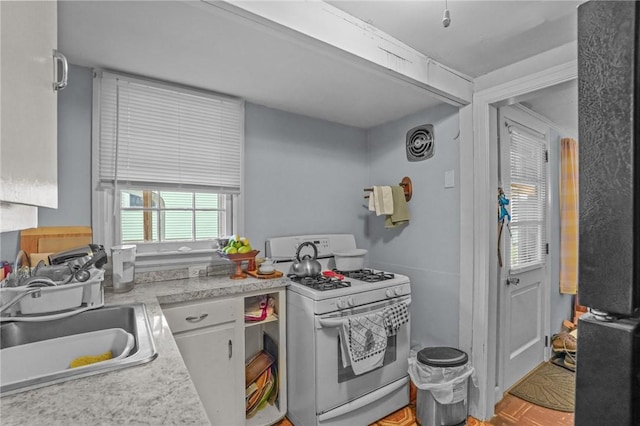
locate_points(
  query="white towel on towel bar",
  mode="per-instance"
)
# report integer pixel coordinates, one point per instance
(381, 200)
(363, 342)
(372, 201)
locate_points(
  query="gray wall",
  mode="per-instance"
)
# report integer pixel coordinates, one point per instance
(74, 161)
(427, 250)
(9, 245)
(74, 153)
(302, 176)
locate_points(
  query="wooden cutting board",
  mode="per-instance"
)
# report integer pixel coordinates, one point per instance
(53, 239)
(256, 274)
(256, 366)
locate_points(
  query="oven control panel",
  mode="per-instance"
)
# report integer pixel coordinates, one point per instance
(346, 302)
(358, 299)
(322, 244)
(394, 292)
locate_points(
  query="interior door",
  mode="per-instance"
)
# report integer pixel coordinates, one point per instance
(523, 174)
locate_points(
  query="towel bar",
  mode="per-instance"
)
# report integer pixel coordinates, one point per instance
(405, 184)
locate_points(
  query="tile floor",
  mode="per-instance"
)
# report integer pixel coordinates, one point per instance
(510, 411)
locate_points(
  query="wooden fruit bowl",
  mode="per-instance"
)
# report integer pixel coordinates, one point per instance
(238, 258)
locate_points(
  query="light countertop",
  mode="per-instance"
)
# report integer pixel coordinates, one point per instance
(157, 393)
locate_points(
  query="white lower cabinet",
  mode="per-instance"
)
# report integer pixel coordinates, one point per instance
(207, 335)
(211, 368)
(216, 343)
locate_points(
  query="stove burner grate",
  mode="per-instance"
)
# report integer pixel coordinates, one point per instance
(320, 282)
(366, 275)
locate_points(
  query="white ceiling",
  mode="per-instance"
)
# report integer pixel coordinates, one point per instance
(206, 47)
(560, 105)
(483, 35)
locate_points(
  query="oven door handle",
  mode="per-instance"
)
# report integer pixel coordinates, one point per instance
(365, 400)
(330, 323)
(337, 322)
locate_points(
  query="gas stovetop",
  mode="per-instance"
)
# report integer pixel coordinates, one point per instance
(367, 275)
(320, 282)
(332, 286)
(324, 282)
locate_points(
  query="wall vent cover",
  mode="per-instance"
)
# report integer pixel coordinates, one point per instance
(420, 143)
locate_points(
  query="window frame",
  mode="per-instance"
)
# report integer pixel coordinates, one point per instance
(227, 217)
(106, 228)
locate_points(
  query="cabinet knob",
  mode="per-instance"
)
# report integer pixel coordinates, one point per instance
(197, 319)
(230, 348)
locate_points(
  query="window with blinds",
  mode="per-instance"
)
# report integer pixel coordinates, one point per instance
(172, 157)
(528, 195)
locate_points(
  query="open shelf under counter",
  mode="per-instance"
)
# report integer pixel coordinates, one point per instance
(270, 318)
(266, 416)
(255, 340)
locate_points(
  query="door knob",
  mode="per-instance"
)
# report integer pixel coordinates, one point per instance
(513, 280)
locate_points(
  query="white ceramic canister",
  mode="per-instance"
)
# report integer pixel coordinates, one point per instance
(349, 260)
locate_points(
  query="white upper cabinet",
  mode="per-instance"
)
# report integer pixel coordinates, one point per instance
(28, 124)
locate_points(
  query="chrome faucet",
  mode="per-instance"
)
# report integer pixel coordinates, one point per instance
(34, 292)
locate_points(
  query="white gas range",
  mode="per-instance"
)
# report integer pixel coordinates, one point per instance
(321, 389)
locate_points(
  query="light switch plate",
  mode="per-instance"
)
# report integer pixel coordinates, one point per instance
(449, 178)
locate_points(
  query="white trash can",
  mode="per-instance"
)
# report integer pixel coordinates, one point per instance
(441, 375)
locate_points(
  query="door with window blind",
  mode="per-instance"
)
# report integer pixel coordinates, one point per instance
(523, 174)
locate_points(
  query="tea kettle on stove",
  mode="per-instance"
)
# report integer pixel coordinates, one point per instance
(307, 266)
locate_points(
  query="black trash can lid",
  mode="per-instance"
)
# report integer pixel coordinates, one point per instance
(441, 356)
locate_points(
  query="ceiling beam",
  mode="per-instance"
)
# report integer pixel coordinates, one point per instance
(336, 33)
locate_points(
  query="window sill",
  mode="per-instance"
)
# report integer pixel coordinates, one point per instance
(167, 260)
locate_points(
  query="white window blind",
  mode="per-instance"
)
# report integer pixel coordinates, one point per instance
(157, 134)
(528, 194)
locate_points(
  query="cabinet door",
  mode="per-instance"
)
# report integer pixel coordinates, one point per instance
(28, 160)
(211, 361)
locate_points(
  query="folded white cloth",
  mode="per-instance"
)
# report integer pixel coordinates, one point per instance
(364, 342)
(395, 316)
(386, 201)
(381, 200)
(372, 201)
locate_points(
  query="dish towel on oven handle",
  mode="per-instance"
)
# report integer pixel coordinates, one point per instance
(364, 342)
(395, 316)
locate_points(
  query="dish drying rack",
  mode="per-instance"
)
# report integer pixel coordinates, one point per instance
(53, 302)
